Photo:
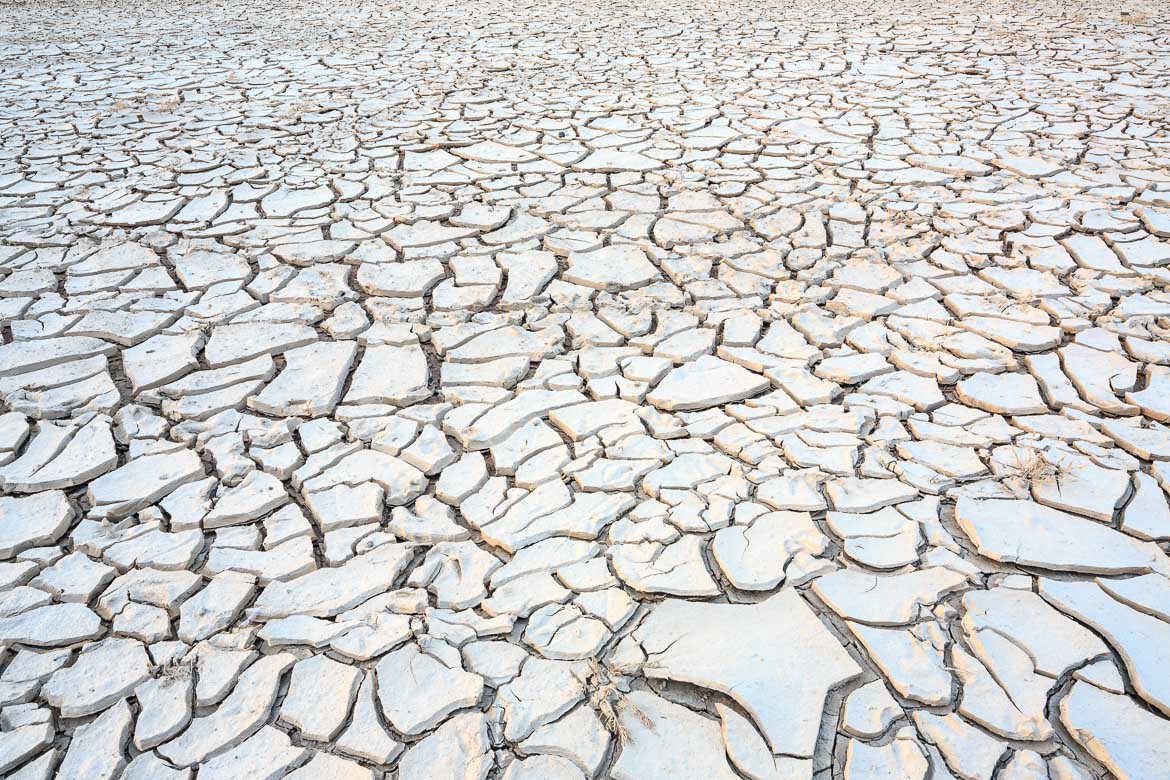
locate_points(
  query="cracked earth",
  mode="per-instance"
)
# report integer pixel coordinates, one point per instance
(605, 390)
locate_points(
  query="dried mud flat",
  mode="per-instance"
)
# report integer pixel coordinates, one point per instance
(584, 390)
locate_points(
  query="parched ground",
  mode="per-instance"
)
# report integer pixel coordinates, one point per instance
(563, 390)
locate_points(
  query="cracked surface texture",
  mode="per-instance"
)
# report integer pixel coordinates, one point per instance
(584, 390)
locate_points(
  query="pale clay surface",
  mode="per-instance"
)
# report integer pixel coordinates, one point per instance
(454, 391)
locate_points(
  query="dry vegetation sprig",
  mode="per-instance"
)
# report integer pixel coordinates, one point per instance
(610, 702)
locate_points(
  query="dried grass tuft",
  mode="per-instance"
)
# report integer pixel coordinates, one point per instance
(176, 670)
(1035, 467)
(1135, 17)
(610, 703)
